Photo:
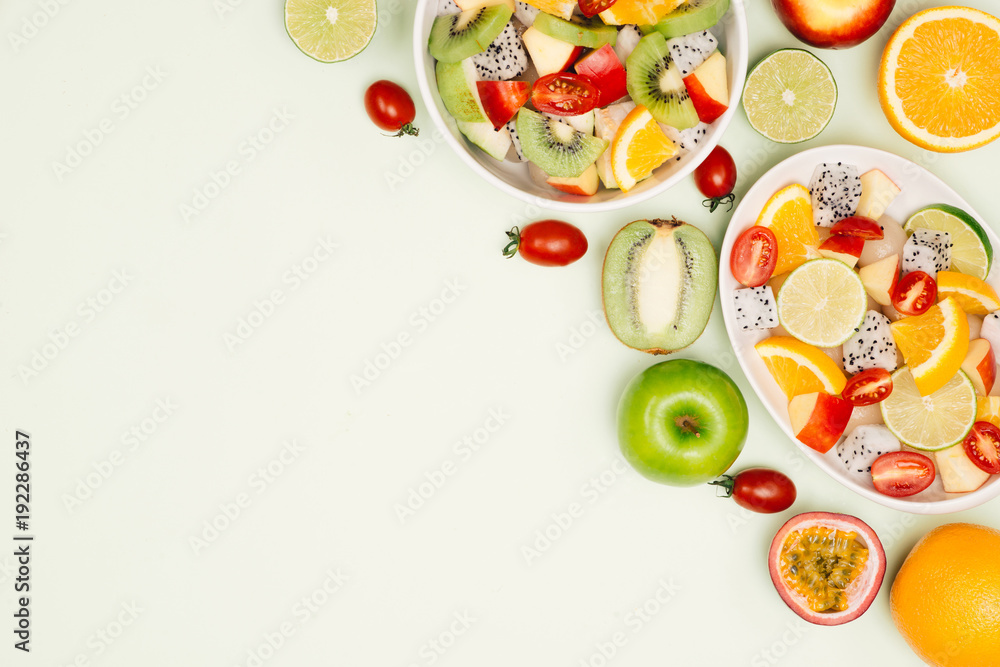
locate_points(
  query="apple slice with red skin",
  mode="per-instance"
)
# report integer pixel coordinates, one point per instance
(549, 55)
(880, 279)
(845, 248)
(819, 419)
(859, 226)
(585, 184)
(605, 71)
(502, 99)
(833, 24)
(981, 366)
(708, 87)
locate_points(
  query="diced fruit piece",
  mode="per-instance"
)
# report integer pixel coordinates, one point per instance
(788, 213)
(988, 409)
(505, 57)
(548, 54)
(606, 72)
(877, 192)
(466, 5)
(455, 37)
(799, 368)
(836, 190)
(929, 421)
(628, 39)
(689, 52)
(957, 471)
(846, 249)
(659, 284)
(934, 344)
(902, 474)
(915, 293)
(554, 147)
(863, 445)
(585, 184)
(981, 366)
(502, 99)
(594, 7)
(982, 446)
(871, 346)
(457, 83)
(755, 308)
(859, 226)
(708, 87)
(971, 251)
(891, 243)
(578, 31)
(881, 278)
(818, 419)
(975, 296)
(654, 82)
(822, 303)
(638, 12)
(927, 251)
(991, 329)
(582, 123)
(515, 141)
(691, 16)
(640, 146)
(494, 142)
(606, 124)
(790, 96)
(526, 13)
(561, 8)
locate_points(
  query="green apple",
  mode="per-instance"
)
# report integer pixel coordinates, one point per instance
(682, 422)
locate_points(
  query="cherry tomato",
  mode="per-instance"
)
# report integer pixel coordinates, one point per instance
(564, 94)
(868, 387)
(915, 293)
(982, 445)
(901, 474)
(547, 243)
(759, 490)
(755, 254)
(594, 7)
(716, 177)
(390, 108)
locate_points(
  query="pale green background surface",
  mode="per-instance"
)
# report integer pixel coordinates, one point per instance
(497, 346)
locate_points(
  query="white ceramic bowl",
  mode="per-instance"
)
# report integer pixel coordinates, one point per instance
(919, 188)
(513, 178)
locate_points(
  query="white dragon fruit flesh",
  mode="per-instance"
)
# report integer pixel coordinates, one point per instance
(863, 445)
(836, 191)
(927, 251)
(755, 308)
(448, 7)
(871, 346)
(991, 330)
(525, 13)
(628, 39)
(504, 59)
(515, 139)
(686, 140)
(690, 51)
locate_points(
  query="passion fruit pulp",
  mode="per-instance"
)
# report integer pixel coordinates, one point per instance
(827, 568)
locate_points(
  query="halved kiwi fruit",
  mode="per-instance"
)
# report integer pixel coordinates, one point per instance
(659, 283)
(692, 16)
(655, 82)
(590, 33)
(556, 148)
(455, 37)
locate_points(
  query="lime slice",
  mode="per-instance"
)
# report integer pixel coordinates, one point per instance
(823, 302)
(971, 251)
(330, 30)
(790, 96)
(933, 422)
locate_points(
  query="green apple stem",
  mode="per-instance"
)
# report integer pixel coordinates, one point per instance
(510, 249)
(726, 482)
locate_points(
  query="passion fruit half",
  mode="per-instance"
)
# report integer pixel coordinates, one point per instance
(827, 567)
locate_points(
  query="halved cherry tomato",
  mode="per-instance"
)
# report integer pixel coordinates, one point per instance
(859, 226)
(594, 7)
(901, 474)
(564, 94)
(915, 293)
(982, 445)
(755, 254)
(868, 387)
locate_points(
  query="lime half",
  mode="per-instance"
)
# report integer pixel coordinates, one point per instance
(823, 302)
(790, 96)
(331, 30)
(971, 251)
(932, 422)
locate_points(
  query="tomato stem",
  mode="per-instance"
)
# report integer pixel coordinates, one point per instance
(726, 482)
(408, 129)
(715, 202)
(510, 249)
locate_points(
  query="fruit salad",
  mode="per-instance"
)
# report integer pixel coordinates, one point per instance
(591, 93)
(882, 336)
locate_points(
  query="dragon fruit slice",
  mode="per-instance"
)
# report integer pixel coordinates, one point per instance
(755, 308)
(927, 251)
(448, 7)
(504, 59)
(865, 444)
(628, 39)
(686, 140)
(524, 12)
(836, 191)
(516, 140)
(871, 346)
(690, 51)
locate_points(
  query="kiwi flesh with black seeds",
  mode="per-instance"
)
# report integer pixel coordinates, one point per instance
(654, 81)
(455, 37)
(555, 147)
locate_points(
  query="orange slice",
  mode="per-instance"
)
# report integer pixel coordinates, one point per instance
(988, 409)
(973, 295)
(800, 368)
(939, 82)
(639, 147)
(934, 344)
(639, 12)
(788, 213)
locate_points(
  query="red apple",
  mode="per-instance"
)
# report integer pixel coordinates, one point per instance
(502, 99)
(859, 226)
(981, 366)
(833, 24)
(845, 248)
(708, 87)
(585, 184)
(819, 419)
(880, 279)
(550, 55)
(877, 192)
(605, 71)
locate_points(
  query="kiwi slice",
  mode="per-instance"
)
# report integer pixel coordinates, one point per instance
(654, 82)
(659, 284)
(693, 16)
(589, 33)
(457, 85)
(556, 148)
(455, 37)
